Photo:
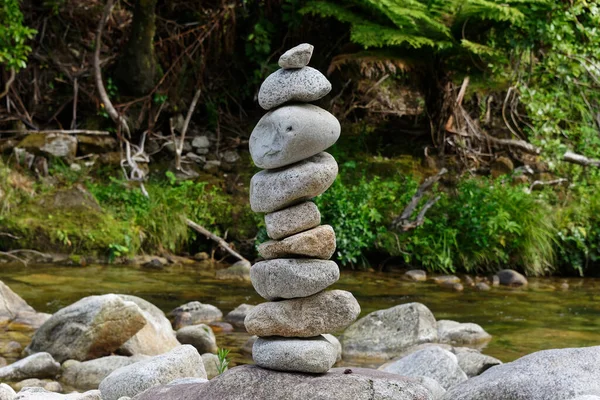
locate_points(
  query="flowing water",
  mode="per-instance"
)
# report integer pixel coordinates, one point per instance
(521, 321)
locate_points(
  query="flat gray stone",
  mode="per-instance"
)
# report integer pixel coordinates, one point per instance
(473, 362)
(336, 343)
(272, 190)
(432, 362)
(304, 85)
(543, 375)
(38, 393)
(181, 362)
(87, 375)
(292, 220)
(318, 242)
(323, 312)
(200, 336)
(453, 332)
(385, 334)
(313, 355)
(193, 313)
(287, 278)
(296, 57)
(249, 382)
(292, 133)
(39, 365)
(236, 316)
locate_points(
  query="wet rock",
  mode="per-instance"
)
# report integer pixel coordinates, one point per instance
(510, 277)
(220, 327)
(87, 375)
(453, 332)
(200, 336)
(93, 327)
(433, 362)
(416, 275)
(303, 85)
(304, 317)
(37, 393)
(157, 335)
(181, 362)
(211, 365)
(296, 57)
(446, 279)
(154, 264)
(272, 190)
(360, 384)
(240, 271)
(15, 313)
(290, 277)
(482, 287)
(202, 256)
(194, 313)
(318, 242)
(313, 355)
(457, 287)
(473, 362)
(236, 316)
(39, 365)
(292, 220)
(53, 144)
(385, 334)
(292, 133)
(548, 374)
(336, 343)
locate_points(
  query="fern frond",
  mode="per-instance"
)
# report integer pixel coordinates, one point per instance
(477, 48)
(491, 10)
(410, 13)
(327, 9)
(372, 64)
(374, 35)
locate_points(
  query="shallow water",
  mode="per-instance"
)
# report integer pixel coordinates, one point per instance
(521, 321)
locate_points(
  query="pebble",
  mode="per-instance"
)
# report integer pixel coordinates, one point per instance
(296, 57)
(305, 85)
(292, 220)
(318, 242)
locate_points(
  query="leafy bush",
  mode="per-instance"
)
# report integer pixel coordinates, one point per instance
(13, 36)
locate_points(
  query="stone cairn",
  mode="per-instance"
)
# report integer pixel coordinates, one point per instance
(289, 143)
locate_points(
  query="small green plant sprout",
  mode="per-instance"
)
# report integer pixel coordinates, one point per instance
(223, 360)
(116, 250)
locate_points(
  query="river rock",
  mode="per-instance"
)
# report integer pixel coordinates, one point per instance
(432, 362)
(417, 275)
(16, 314)
(39, 365)
(292, 133)
(6, 392)
(446, 279)
(473, 362)
(482, 287)
(240, 271)
(38, 393)
(247, 347)
(236, 384)
(304, 317)
(304, 85)
(237, 315)
(93, 327)
(193, 313)
(211, 365)
(543, 375)
(336, 343)
(314, 355)
(318, 242)
(272, 190)
(53, 144)
(51, 386)
(287, 278)
(385, 334)
(200, 336)
(510, 277)
(435, 389)
(292, 220)
(201, 142)
(453, 332)
(156, 337)
(181, 362)
(87, 375)
(296, 57)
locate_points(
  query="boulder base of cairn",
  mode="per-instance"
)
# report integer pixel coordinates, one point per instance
(318, 242)
(292, 220)
(313, 355)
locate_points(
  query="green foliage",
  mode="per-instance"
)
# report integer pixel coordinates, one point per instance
(13, 36)
(223, 360)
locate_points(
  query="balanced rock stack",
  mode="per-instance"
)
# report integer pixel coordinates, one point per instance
(289, 143)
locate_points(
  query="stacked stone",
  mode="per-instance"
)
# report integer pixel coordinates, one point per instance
(289, 143)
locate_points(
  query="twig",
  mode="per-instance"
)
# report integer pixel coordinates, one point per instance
(62, 131)
(546, 183)
(9, 235)
(4, 254)
(186, 123)
(9, 82)
(214, 237)
(574, 158)
(75, 95)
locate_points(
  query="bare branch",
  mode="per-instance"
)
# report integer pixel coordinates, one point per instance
(580, 159)
(9, 82)
(210, 235)
(554, 182)
(62, 131)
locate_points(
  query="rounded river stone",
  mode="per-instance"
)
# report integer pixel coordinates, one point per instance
(272, 190)
(292, 220)
(288, 278)
(292, 133)
(305, 85)
(318, 242)
(296, 57)
(323, 312)
(314, 355)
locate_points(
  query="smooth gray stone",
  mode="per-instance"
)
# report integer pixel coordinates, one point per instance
(296, 57)
(87, 375)
(318, 242)
(543, 375)
(511, 277)
(272, 190)
(6, 392)
(323, 312)
(15, 311)
(288, 278)
(417, 275)
(291, 220)
(200, 336)
(453, 332)
(435, 389)
(473, 362)
(38, 393)
(182, 362)
(193, 313)
(304, 85)
(338, 346)
(313, 355)
(39, 365)
(237, 315)
(432, 362)
(292, 133)
(385, 334)
(211, 365)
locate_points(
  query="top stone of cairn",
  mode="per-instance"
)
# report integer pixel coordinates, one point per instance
(296, 57)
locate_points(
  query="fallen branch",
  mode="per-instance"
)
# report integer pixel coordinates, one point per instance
(8, 255)
(61, 131)
(580, 159)
(210, 235)
(546, 183)
(186, 123)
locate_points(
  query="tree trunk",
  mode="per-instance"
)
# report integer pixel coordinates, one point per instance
(137, 70)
